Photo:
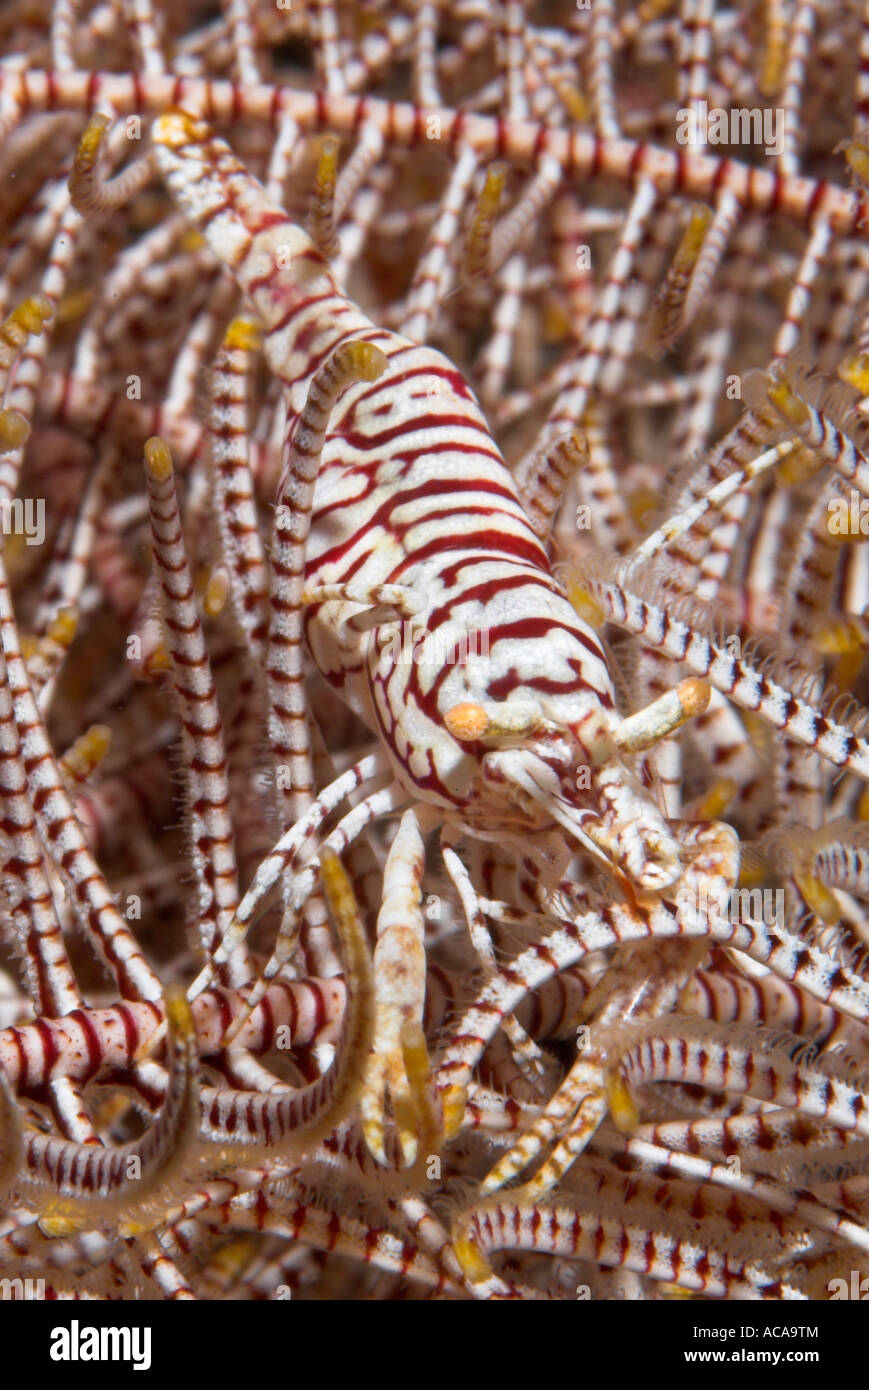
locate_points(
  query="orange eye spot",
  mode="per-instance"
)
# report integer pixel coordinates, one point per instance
(467, 721)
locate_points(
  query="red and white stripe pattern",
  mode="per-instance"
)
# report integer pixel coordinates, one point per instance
(412, 491)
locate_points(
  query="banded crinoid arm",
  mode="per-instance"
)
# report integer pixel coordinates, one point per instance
(777, 1068)
(736, 677)
(234, 484)
(77, 1186)
(33, 917)
(815, 1213)
(352, 362)
(96, 1043)
(622, 1225)
(823, 974)
(60, 829)
(207, 787)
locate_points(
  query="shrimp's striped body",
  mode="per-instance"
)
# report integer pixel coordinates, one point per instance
(493, 708)
(413, 491)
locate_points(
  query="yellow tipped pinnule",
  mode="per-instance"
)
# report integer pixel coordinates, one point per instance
(641, 502)
(87, 752)
(716, 800)
(665, 317)
(14, 429)
(88, 147)
(364, 361)
(28, 317)
(796, 466)
(158, 460)
(177, 128)
(31, 314)
(693, 236)
(60, 1218)
(179, 1014)
(337, 888)
(454, 1100)
(819, 897)
(584, 604)
(493, 187)
(192, 240)
(157, 661)
(327, 163)
(623, 1107)
(62, 628)
(555, 325)
(75, 305)
(321, 222)
(857, 157)
(573, 101)
(775, 48)
(854, 369)
(216, 593)
(842, 636)
(243, 335)
(474, 1264)
(479, 243)
(786, 402)
(426, 1119)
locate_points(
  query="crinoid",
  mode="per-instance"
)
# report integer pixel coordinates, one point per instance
(434, 612)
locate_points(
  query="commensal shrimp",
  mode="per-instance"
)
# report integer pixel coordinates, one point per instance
(497, 724)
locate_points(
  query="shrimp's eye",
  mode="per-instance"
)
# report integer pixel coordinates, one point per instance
(506, 719)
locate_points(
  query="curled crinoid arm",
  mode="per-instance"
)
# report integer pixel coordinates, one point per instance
(305, 884)
(578, 1106)
(33, 916)
(45, 655)
(81, 760)
(773, 1067)
(666, 315)
(856, 152)
(127, 1186)
(815, 1213)
(298, 1121)
(638, 984)
(61, 829)
(399, 1057)
(282, 858)
(525, 1051)
(29, 317)
(89, 193)
(620, 1229)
